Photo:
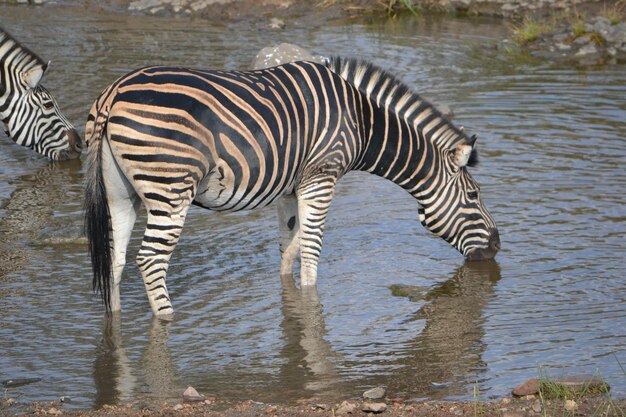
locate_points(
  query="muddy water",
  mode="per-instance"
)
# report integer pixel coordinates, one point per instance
(552, 141)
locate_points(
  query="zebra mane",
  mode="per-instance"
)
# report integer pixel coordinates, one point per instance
(6, 37)
(388, 91)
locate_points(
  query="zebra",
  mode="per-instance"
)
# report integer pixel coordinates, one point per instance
(169, 137)
(30, 114)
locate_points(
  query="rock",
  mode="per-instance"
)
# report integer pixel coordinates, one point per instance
(178, 407)
(54, 412)
(570, 405)
(375, 393)
(563, 46)
(412, 292)
(346, 407)
(536, 407)
(8, 402)
(282, 54)
(276, 23)
(589, 49)
(375, 408)
(191, 396)
(529, 387)
(443, 109)
(513, 413)
(18, 382)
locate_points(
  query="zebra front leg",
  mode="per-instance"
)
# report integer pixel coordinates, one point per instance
(289, 232)
(314, 197)
(163, 230)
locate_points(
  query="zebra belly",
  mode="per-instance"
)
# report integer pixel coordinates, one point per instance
(218, 191)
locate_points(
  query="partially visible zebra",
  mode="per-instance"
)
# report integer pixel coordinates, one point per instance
(30, 114)
(169, 137)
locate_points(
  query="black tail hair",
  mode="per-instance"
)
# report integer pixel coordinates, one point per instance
(97, 215)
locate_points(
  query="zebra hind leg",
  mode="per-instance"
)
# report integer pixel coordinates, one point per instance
(289, 226)
(123, 203)
(162, 233)
(314, 198)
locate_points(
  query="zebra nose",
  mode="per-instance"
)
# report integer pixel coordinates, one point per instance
(74, 139)
(75, 143)
(489, 252)
(494, 240)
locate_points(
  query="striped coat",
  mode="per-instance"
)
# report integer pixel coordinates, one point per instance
(169, 137)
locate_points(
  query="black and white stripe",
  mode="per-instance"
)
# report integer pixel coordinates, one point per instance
(169, 137)
(30, 114)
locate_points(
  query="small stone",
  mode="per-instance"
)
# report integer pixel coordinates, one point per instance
(191, 395)
(570, 405)
(276, 23)
(178, 407)
(54, 412)
(375, 393)
(346, 407)
(588, 49)
(375, 408)
(563, 46)
(505, 401)
(529, 387)
(536, 407)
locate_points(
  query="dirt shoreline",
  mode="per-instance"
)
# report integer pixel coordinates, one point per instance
(528, 406)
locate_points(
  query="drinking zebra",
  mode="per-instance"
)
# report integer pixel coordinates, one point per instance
(169, 137)
(30, 114)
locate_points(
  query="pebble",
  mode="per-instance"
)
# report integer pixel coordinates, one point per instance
(373, 407)
(191, 396)
(529, 387)
(570, 405)
(178, 407)
(375, 393)
(536, 407)
(346, 407)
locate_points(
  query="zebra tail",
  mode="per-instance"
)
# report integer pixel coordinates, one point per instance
(97, 215)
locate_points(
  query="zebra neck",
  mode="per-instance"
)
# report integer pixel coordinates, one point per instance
(396, 150)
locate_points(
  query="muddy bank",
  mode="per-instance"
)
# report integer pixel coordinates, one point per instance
(328, 9)
(529, 406)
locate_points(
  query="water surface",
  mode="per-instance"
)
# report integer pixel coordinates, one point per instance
(552, 174)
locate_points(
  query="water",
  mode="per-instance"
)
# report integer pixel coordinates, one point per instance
(552, 174)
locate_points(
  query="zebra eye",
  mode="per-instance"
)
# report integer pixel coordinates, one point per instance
(48, 105)
(472, 195)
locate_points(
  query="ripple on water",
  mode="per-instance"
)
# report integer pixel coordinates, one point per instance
(551, 173)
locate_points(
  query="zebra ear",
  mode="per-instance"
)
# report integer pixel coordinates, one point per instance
(33, 76)
(460, 155)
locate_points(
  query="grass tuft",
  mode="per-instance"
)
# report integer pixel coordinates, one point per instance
(530, 29)
(615, 13)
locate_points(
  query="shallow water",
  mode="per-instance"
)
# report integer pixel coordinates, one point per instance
(552, 174)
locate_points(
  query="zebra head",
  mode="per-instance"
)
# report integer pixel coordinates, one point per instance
(452, 208)
(31, 116)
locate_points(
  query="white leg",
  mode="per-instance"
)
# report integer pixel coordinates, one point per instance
(123, 204)
(314, 199)
(289, 227)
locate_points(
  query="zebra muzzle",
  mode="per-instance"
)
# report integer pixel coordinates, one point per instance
(74, 148)
(489, 252)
